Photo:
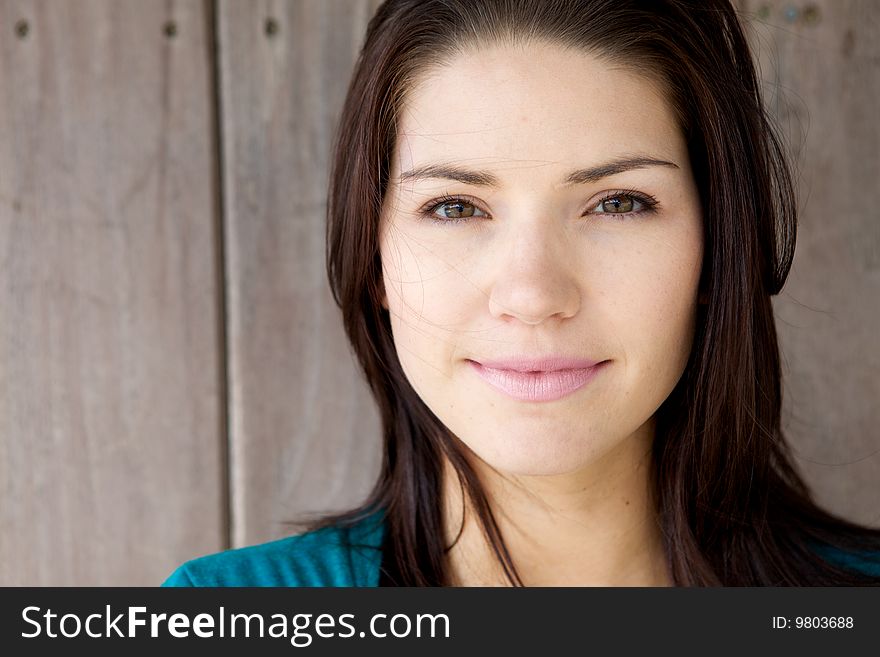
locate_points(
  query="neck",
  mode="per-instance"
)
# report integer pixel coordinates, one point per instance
(594, 527)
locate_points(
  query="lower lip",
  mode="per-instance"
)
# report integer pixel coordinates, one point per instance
(537, 386)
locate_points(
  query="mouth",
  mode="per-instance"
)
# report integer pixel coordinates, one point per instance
(538, 385)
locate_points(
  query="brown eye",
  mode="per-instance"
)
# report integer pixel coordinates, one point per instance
(457, 209)
(617, 204)
(625, 204)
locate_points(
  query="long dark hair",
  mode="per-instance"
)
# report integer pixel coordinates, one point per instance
(733, 509)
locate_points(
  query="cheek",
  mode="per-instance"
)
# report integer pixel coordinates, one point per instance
(430, 296)
(655, 290)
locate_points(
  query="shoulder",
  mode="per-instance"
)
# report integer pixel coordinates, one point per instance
(867, 563)
(331, 556)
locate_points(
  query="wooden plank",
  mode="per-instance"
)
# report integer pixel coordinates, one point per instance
(110, 416)
(304, 430)
(820, 62)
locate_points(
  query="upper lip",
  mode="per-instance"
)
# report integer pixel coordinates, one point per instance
(542, 364)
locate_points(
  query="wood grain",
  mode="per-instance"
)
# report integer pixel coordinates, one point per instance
(820, 63)
(110, 452)
(304, 432)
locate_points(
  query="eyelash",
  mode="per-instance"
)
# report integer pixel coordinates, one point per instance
(648, 202)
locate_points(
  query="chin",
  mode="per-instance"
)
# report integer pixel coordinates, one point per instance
(526, 456)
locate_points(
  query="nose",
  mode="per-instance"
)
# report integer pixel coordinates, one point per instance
(534, 279)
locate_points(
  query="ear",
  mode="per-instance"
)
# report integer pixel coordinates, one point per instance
(384, 295)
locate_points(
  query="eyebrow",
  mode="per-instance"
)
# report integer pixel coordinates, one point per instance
(488, 179)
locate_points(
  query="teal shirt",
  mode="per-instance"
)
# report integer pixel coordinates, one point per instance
(333, 556)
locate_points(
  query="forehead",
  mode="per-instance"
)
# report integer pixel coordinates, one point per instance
(535, 104)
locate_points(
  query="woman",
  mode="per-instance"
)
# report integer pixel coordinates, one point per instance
(554, 229)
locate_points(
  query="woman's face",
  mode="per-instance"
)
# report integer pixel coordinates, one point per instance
(541, 206)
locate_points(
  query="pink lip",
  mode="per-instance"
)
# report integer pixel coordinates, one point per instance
(537, 380)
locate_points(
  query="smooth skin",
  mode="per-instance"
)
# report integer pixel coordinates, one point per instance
(545, 263)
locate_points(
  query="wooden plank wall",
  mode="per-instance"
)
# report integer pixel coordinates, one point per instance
(174, 378)
(110, 412)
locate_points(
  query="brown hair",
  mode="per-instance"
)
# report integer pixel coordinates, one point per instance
(733, 509)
